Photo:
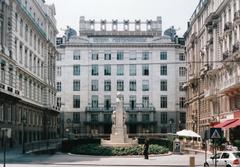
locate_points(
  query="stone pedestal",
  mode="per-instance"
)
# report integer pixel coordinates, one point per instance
(119, 135)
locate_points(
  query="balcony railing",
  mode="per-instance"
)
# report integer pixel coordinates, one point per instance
(99, 109)
(140, 109)
(229, 83)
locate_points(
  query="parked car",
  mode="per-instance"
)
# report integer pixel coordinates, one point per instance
(224, 159)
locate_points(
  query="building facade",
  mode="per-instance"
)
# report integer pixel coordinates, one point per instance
(131, 57)
(27, 74)
(212, 48)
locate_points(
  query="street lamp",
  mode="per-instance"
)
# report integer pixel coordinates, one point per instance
(24, 120)
(170, 123)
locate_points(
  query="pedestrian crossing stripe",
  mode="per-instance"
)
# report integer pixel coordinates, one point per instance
(216, 135)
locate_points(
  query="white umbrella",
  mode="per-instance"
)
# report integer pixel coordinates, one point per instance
(188, 133)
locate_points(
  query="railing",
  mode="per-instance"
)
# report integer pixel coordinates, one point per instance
(42, 145)
(229, 82)
(140, 109)
(99, 109)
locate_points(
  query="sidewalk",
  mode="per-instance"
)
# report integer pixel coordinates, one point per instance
(11, 153)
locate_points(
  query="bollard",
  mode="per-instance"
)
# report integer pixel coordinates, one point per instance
(192, 162)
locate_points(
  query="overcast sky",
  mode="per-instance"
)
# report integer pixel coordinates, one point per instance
(173, 12)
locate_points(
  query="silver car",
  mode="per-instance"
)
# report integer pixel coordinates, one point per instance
(224, 159)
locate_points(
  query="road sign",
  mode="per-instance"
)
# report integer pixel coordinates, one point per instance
(215, 133)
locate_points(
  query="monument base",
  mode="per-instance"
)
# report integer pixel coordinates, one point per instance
(127, 143)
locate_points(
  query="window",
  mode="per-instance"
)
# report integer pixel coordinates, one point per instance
(225, 156)
(120, 56)
(1, 112)
(107, 69)
(163, 102)
(76, 55)
(163, 85)
(59, 86)
(59, 99)
(76, 85)
(145, 69)
(132, 102)
(94, 117)
(164, 118)
(163, 55)
(120, 85)
(145, 101)
(59, 57)
(145, 85)
(120, 69)
(133, 117)
(76, 101)
(182, 101)
(107, 56)
(145, 56)
(181, 88)
(94, 69)
(107, 117)
(94, 56)
(145, 118)
(76, 70)
(132, 69)
(107, 102)
(163, 70)
(133, 55)
(76, 117)
(132, 86)
(59, 71)
(94, 101)
(182, 57)
(94, 85)
(182, 71)
(26, 33)
(107, 85)
(182, 117)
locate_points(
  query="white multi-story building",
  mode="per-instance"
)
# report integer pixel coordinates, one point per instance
(27, 74)
(212, 47)
(121, 56)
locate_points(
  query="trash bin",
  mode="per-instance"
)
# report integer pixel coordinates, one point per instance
(176, 146)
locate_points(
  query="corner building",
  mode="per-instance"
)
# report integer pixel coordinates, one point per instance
(131, 57)
(27, 70)
(212, 47)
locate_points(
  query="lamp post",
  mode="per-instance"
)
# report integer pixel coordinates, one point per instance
(23, 133)
(170, 123)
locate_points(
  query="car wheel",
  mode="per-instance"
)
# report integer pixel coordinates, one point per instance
(228, 166)
(206, 165)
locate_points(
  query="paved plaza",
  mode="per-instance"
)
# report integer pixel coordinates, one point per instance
(64, 160)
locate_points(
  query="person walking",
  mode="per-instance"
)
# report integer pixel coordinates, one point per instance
(145, 148)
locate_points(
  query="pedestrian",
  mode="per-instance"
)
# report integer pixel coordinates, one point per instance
(145, 148)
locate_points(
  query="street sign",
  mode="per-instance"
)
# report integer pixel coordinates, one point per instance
(215, 133)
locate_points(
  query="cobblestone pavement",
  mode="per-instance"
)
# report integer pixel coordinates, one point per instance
(68, 160)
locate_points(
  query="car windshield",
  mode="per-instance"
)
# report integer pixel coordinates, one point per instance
(237, 154)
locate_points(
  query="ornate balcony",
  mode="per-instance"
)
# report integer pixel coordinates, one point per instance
(140, 109)
(99, 109)
(230, 84)
(210, 93)
(237, 17)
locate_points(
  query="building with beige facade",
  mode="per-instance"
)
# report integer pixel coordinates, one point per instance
(131, 57)
(27, 70)
(212, 48)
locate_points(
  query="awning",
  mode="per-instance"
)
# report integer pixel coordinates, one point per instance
(225, 123)
(234, 124)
